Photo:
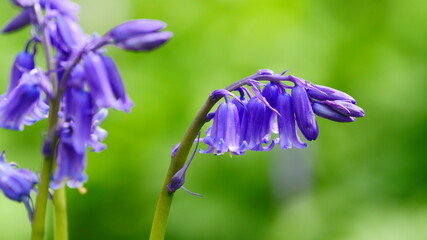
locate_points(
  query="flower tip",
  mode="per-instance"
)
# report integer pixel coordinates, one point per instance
(267, 72)
(145, 42)
(136, 27)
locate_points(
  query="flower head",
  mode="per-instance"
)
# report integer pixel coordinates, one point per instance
(271, 115)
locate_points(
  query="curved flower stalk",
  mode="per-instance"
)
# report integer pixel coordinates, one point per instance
(271, 110)
(80, 83)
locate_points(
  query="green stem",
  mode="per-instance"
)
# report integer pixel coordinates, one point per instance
(158, 228)
(39, 221)
(164, 202)
(61, 221)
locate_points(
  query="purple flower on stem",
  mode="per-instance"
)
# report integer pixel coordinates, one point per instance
(287, 129)
(146, 42)
(24, 62)
(71, 166)
(139, 35)
(327, 93)
(20, 21)
(224, 135)
(123, 101)
(17, 183)
(20, 102)
(99, 82)
(135, 28)
(273, 111)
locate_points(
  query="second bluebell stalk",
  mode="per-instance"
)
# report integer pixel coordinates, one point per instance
(271, 109)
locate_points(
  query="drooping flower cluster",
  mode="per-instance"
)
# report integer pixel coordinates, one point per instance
(81, 82)
(248, 122)
(268, 115)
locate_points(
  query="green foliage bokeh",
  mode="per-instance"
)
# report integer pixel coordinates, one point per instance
(364, 180)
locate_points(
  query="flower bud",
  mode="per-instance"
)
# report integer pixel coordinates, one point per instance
(331, 94)
(134, 28)
(346, 108)
(145, 42)
(24, 62)
(325, 111)
(304, 113)
(19, 21)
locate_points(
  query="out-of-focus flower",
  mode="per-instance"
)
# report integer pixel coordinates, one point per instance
(24, 62)
(17, 183)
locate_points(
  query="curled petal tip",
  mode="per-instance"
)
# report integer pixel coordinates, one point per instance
(134, 28)
(145, 42)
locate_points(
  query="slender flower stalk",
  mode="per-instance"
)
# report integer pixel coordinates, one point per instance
(252, 123)
(79, 84)
(38, 230)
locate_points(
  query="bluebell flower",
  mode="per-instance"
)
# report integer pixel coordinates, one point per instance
(24, 62)
(123, 101)
(326, 93)
(70, 36)
(255, 132)
(81, 77)
(146, 42)
(272, 115)
(20, 102)
(304, 113)
(78, 113)
(135, 28)
(224, 136)
(17, 183)
(288, 133)
(23, 19)
(99, 82)
(70, 166)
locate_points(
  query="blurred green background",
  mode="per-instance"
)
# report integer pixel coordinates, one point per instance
(364, 180)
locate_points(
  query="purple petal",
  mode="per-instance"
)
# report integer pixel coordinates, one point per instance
(331, 94)
(19, 103)
(133, 28)
(117, 85)
(304, 113)
(287, 129)
(19, 21)
(70, 168)
(327, 112)
(145, 42)
(79, 111)
(99, 83)
(64, 7)
(16, 183)
(346, 108)
(70, 33)
(24, 62)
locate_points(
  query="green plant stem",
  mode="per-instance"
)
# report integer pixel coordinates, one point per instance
(39, 221)
(38, 230)
(163, 205)
(158, 229)
(61, 221)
